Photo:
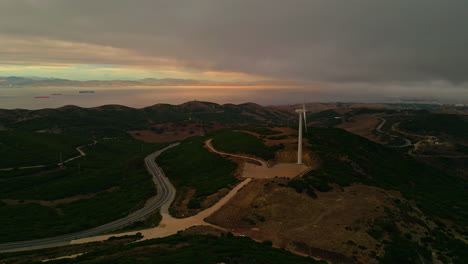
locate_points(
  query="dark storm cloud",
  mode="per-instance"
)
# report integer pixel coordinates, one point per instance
(327, 41)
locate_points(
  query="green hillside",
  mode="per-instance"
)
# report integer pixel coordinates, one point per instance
(191, 164)
(112, 173)
(347, 158)
(437, 124)
(239, 142)
(21, 148)
(105, 121)
(185, 249)
(115, 120)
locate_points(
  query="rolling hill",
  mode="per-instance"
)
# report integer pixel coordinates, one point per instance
(115, 120)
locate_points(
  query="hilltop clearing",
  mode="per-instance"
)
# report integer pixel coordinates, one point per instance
(377, 205)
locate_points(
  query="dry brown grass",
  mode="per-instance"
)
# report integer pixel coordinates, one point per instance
(202, 230)
(362, 125)
(287, 170)
(265, 210)
(179, 208)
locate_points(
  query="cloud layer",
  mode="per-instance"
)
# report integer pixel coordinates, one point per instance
(330, 41)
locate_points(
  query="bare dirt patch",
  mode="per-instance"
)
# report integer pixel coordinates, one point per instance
(362, 125)
(179, 208)
(286, 170)
(203, 230)
(289, 153)
(266, 210)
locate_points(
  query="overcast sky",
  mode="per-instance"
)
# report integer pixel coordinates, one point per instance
(404, 44)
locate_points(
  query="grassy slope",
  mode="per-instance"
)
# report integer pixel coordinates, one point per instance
(347, 158)
(436, 124)
(104, 122)
(114, 121)
(238, 142)
(324, 118)
(192, 249)
(20, 148)
(110, 163)
(191, 164)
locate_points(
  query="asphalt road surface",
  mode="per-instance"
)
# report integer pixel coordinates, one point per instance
(379, 129)
(165, 196)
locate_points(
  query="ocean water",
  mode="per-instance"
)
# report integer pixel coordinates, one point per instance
(138, 97)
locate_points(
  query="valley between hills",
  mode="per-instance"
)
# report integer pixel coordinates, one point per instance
(368, 191)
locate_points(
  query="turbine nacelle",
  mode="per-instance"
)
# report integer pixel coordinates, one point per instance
(302, 112)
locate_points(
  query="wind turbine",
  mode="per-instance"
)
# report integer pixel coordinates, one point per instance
(302, 114)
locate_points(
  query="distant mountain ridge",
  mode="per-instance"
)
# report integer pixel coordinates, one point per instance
(114, 120)
(14, 81)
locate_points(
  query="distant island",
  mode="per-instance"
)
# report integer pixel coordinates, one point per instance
(14, 81)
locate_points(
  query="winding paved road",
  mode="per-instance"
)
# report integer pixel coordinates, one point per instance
(165, 196)
(408, 142)
(379, 129)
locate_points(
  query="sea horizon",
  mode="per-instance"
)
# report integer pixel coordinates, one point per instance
(139, 97)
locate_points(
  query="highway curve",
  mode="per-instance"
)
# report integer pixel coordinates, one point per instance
(379, 129)
(165, 196)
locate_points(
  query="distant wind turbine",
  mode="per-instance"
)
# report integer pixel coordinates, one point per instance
(302, 114)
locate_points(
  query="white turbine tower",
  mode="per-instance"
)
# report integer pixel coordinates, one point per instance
(302, 114)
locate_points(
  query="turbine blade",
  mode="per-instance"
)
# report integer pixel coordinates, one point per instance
(305, 121)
